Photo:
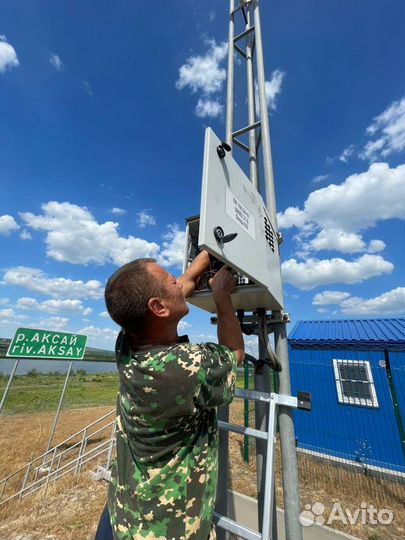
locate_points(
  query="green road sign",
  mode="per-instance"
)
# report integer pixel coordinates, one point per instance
(31, 343)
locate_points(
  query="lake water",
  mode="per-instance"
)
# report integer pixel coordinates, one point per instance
(6, 365)
(44, 366)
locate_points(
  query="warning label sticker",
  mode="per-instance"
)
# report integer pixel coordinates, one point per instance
(239, 214)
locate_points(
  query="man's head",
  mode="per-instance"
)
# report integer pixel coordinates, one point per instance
(142, 293)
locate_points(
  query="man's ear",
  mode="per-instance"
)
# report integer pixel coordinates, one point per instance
(158, 307)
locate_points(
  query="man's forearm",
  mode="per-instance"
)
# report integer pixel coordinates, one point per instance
(194, 271)
(229, 331)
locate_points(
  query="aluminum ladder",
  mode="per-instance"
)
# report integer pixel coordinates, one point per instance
(274, 401)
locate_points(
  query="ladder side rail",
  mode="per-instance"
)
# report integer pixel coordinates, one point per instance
(269, 508)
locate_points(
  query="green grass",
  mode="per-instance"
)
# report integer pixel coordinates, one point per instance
(38, 392)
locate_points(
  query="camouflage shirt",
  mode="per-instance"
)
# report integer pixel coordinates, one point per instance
(163, 483)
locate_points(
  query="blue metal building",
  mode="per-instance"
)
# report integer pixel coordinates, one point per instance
(355, 371)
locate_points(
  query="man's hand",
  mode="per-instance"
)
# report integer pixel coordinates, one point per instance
(223, 282)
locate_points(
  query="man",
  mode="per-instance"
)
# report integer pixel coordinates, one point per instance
(163, 484)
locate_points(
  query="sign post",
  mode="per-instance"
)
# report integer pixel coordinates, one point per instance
(10, 379)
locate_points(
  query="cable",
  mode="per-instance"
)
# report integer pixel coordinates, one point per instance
(274, 362)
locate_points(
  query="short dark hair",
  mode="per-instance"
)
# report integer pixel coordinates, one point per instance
(127, 294)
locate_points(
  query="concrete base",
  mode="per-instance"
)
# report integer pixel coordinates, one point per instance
(243, 510)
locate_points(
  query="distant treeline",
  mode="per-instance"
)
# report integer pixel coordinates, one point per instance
(91, 355)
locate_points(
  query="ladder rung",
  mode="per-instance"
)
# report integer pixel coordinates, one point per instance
(252, 394)
(233, 527)
(236, 9)
(244, 34)
(245, 129)
(240, 144)
(235, 428)
(242, 53)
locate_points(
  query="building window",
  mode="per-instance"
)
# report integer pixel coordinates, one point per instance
(354, 383)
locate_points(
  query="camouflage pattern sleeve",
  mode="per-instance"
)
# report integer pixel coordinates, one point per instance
(216, 376)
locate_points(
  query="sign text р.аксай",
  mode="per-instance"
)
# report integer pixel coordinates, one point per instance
(31, 343)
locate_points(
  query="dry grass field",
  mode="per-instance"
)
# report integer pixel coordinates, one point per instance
(71, 507)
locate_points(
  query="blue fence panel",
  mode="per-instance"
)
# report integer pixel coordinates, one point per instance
(363, 434)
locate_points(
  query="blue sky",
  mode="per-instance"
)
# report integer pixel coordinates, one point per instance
(103, 110)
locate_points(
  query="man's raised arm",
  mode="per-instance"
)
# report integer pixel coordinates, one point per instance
(189, 279)
(229, 331)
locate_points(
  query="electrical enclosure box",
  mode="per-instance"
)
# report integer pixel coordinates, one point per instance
(235, 228)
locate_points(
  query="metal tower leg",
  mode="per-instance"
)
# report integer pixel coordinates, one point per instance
(289, 465)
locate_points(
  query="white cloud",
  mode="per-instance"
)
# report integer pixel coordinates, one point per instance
(323, 311)
(88, 88)
(7, 224)
(379, 190)
(208, 107)
(56, 62)
(57, 324)
(335, 214)
(273, 88)
(174, 246)
(347, 152)
(99, 335)
(143, 218)
(389, 127)
(333, 239)
(314, 272)
(211, 15)
(117, 211)
(389, 303)
(4, 301)
(291, 217)
(329, 297)
(376, 246)
(8, 56)
(8, 312)
(74, 235)
(204, 72)
(53, 306)
(319, 178)
(25, 235)
(104, 314)
(183, 325)
(36, 280)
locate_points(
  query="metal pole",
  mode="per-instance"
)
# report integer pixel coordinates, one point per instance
(397, 412)
(264, 119)
(229, 88)
(3, 399)
(221, 506)
(289, 465)
(246, 412)
(59, 407)
(262, 384)
(251, 106)
(287, 435)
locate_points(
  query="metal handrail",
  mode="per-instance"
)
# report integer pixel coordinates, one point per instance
(60, 444)
(56, 473)
(45, 479)
(56, 454)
